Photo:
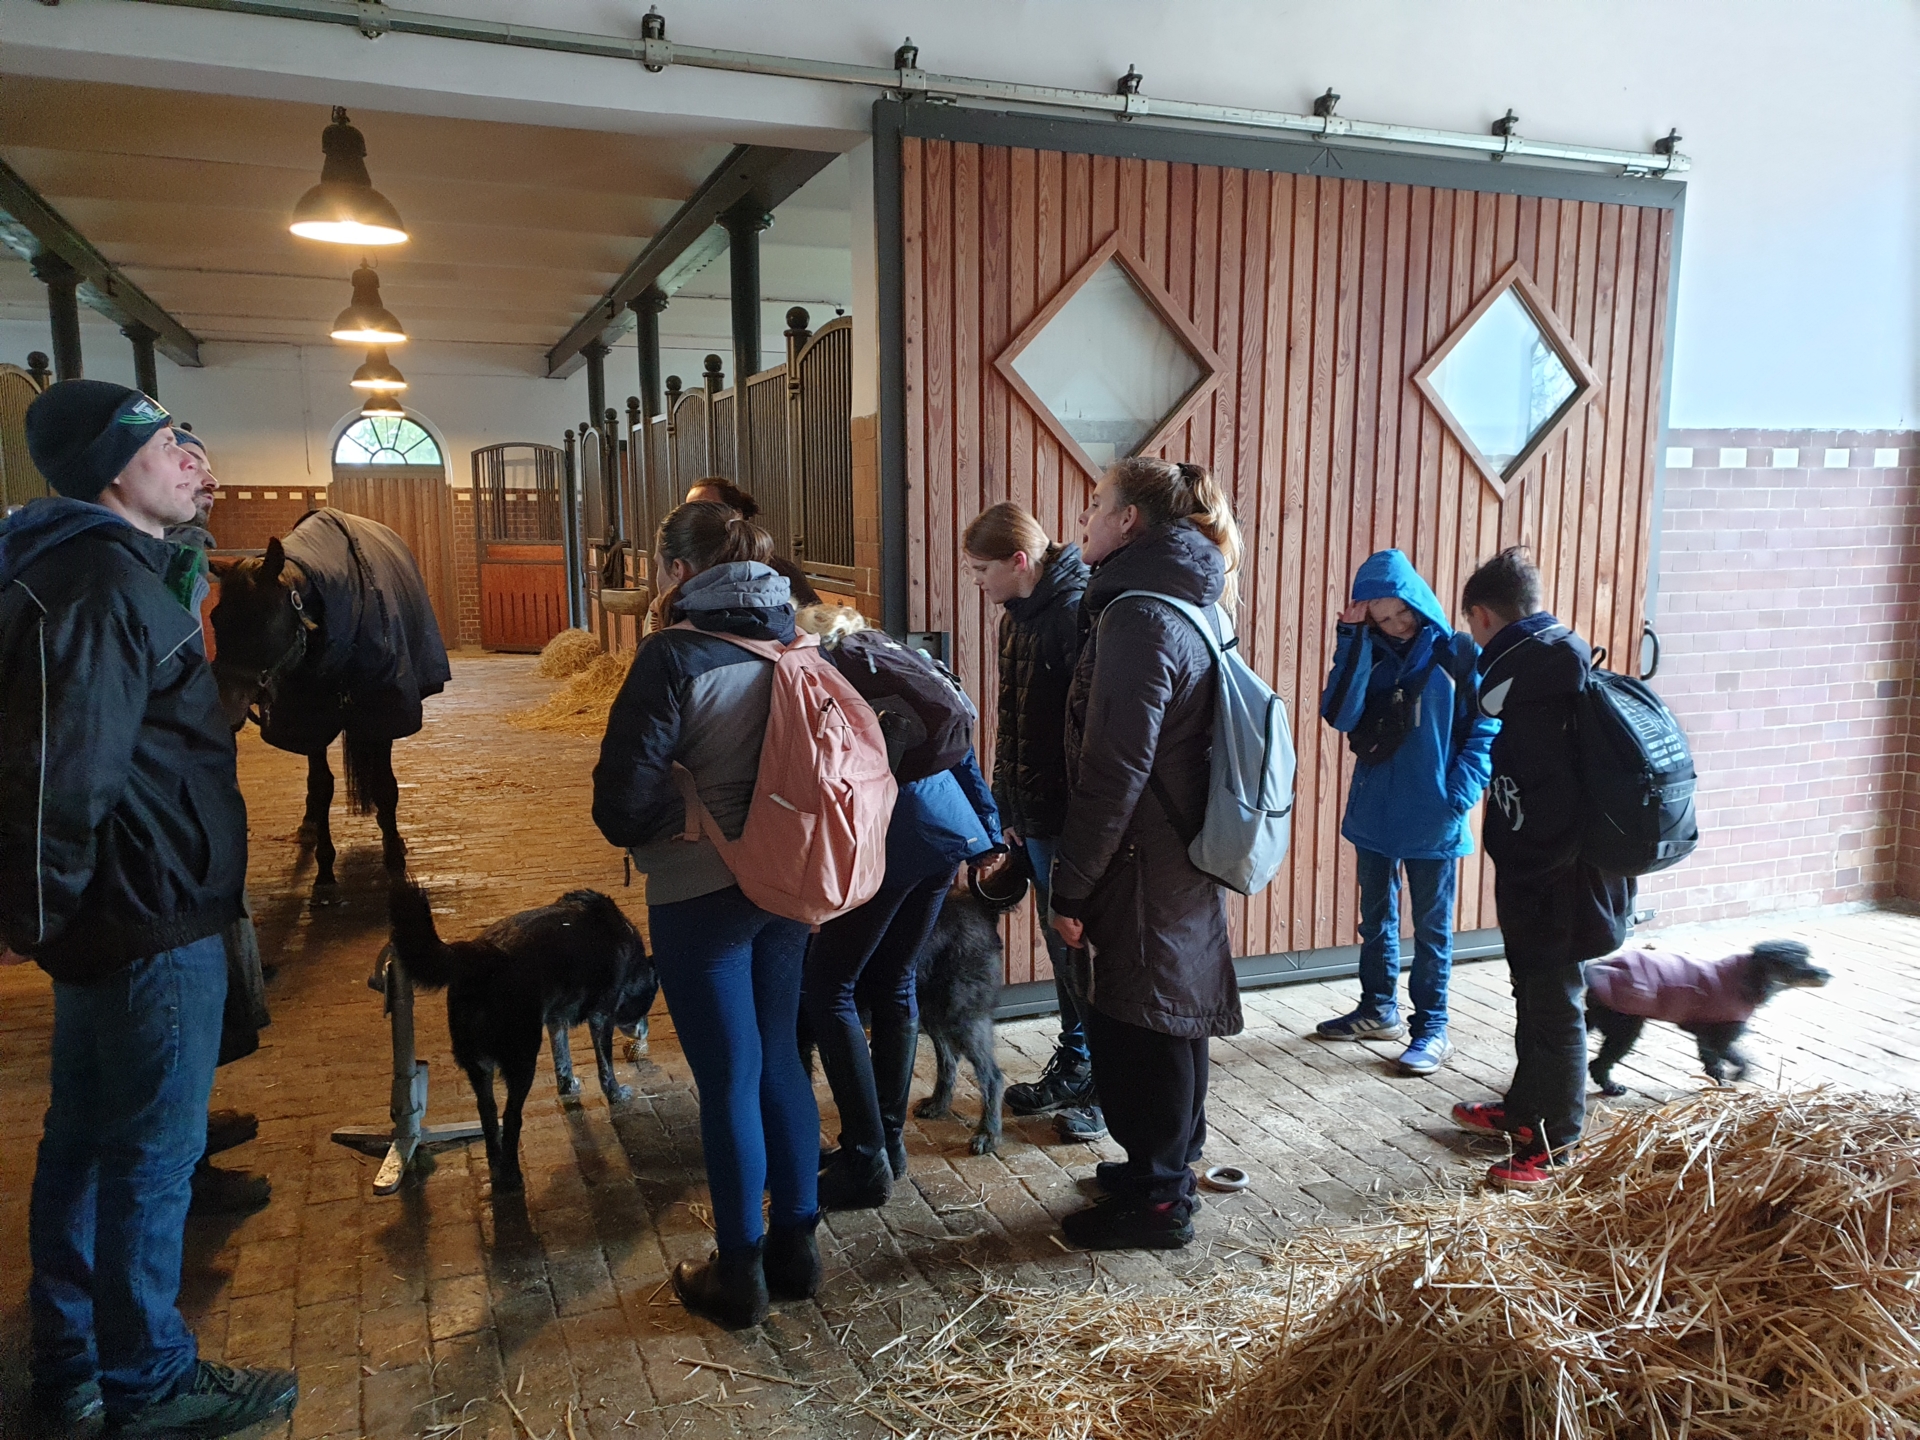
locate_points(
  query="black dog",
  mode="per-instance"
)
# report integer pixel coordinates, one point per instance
(1711, 1000)
(957, 976)
(578, 959)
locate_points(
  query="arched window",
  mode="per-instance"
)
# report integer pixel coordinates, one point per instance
(386, 440)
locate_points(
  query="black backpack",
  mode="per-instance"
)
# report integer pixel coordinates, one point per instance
(1638, 775)
(925, 716)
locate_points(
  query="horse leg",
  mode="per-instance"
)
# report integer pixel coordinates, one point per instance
(373, 768)
(316, 827)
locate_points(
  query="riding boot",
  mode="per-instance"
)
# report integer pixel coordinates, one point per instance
(849, 1180)
(894, 1052)
(730, 1289)
(792, 1260)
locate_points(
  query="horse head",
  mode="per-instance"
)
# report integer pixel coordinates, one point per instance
(260, 631)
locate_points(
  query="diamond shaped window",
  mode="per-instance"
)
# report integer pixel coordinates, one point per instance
(1507, 379)
(1109, 364)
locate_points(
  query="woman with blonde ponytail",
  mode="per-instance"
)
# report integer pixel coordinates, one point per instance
(1148, 928)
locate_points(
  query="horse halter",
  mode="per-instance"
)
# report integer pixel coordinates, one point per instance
(290, 658)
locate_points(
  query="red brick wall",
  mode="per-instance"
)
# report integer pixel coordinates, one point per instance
(466, 567)
(1788, 607)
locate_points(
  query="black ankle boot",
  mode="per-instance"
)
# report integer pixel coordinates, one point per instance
(893, 1056)
(853, 1181)
(730, 1289)
(792, 1263)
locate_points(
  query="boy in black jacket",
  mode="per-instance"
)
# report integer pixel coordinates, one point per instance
(1556, 911)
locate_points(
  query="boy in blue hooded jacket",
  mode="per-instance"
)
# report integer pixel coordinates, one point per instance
(1400, 670)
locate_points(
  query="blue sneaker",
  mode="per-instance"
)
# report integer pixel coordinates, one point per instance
(1427, 1054)
(1362, 1024)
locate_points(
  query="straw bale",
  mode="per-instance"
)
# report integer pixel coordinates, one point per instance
(582, 704)
(1736, 1264)
(568, 653)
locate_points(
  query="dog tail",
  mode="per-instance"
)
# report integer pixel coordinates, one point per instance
(431, 962)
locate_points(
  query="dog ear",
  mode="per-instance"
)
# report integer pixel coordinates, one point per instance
(274, 563)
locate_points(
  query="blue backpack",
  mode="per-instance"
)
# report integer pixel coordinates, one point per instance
(1249, 822)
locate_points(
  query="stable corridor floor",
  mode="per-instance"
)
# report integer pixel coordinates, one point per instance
(439, 1312)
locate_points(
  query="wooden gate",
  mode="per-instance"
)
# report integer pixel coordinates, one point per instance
(1316, 289)
(418, 508)
(19, 480)
(522, 545)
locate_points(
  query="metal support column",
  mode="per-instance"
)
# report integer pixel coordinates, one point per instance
(647, 307)
(743, 225)
(63, 312)
(146, 376)
(596, 354)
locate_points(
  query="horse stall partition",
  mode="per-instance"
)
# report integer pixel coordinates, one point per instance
(418, 508)
(762, 468)
(20, 481)
(521, 539)
(1316, 295)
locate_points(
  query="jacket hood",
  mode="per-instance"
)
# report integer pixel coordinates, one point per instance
(44, 524)
(1174, 559)
(742, 597)
(1531, 660)
(1065, 574)
(1389, 575)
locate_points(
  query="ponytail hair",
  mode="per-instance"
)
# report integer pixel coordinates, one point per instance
(1004, 530)
(1168, 490)
(702, 534)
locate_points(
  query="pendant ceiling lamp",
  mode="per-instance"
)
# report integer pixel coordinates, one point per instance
(379, 406)
(366, 321)
(378, 373)
(344, 208)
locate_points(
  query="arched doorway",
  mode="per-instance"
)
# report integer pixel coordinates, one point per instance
(390, 468)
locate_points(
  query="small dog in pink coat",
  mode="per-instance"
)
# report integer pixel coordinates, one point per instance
(1711, 1000)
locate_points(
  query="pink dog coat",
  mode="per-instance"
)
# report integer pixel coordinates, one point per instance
(1668, 985)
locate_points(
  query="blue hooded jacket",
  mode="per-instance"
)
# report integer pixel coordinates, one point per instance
(1412, 805)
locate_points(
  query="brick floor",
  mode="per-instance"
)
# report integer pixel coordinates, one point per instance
(420, 1310)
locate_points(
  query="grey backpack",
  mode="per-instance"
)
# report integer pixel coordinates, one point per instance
(1249, 821)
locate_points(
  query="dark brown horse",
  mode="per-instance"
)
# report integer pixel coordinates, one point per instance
(330, 634)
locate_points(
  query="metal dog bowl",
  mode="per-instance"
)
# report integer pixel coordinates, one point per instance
(1006, 890)
(1226, 1177)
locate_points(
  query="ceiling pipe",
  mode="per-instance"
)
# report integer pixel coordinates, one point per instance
(655, 52)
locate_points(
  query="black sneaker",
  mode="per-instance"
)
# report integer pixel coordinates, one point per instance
(1084, 1123)
(73, 1414)
(228, 1128)
(1125, 1225)
(851, 1181)
(1111, 1177)
(227, 1192)
(216, 1400)
(1067, 1080)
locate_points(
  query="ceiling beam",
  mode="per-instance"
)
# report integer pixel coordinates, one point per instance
(759, 176)
(30, 227)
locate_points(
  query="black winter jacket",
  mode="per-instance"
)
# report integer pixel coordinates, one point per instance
(1141, 705)
(1553, 906)
(1039, 637)
(122, 829)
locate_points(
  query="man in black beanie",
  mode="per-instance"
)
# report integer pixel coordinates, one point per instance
(123, 849)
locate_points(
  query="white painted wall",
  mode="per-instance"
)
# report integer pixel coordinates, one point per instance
(269, 412)
(1799, 300)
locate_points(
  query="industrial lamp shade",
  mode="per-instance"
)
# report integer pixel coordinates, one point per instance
(344, 208)
(379, 405)
(366, 321)
(378, 374)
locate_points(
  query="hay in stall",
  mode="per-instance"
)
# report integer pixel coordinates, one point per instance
(568, 653)
(581, 705)
(1735, 1264)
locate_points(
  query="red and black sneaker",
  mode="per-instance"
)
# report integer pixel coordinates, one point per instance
(1489, 1117)
(1533, 1163)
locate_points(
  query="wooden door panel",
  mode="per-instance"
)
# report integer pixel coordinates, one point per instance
(523, 596)
(1323, 296)
(419, 509)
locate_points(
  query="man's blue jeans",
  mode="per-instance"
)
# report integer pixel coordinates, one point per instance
(1073, 1032)
(133, 1061)
(1431, 885)
(731, 974)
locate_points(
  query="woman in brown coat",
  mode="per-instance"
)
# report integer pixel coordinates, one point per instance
(1151, 930)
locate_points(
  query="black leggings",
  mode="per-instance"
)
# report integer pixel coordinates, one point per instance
(1153, 1090)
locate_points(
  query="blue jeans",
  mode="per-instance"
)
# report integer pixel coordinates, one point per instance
(731, 975)
(1431, 884)
(1073, 1031)
(133, 1061)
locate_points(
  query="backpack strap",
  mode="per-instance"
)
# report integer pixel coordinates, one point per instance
(765, 649)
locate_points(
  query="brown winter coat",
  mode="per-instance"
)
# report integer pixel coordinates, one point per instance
(1141, 704)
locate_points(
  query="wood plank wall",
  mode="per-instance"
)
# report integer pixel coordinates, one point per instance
(419, 509)
(1323, 295)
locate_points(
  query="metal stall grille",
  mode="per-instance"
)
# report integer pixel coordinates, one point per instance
(820, 444)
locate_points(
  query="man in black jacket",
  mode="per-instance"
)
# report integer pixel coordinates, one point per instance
(123, 849)
(1556, 911)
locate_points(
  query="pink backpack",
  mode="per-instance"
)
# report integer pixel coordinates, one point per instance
(815, 842)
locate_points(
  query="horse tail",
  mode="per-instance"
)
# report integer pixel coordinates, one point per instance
(369, 768)
(430, 961)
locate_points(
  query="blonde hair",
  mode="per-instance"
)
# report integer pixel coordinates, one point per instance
(829, 622)
(1001, 531)
(1168, 490)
